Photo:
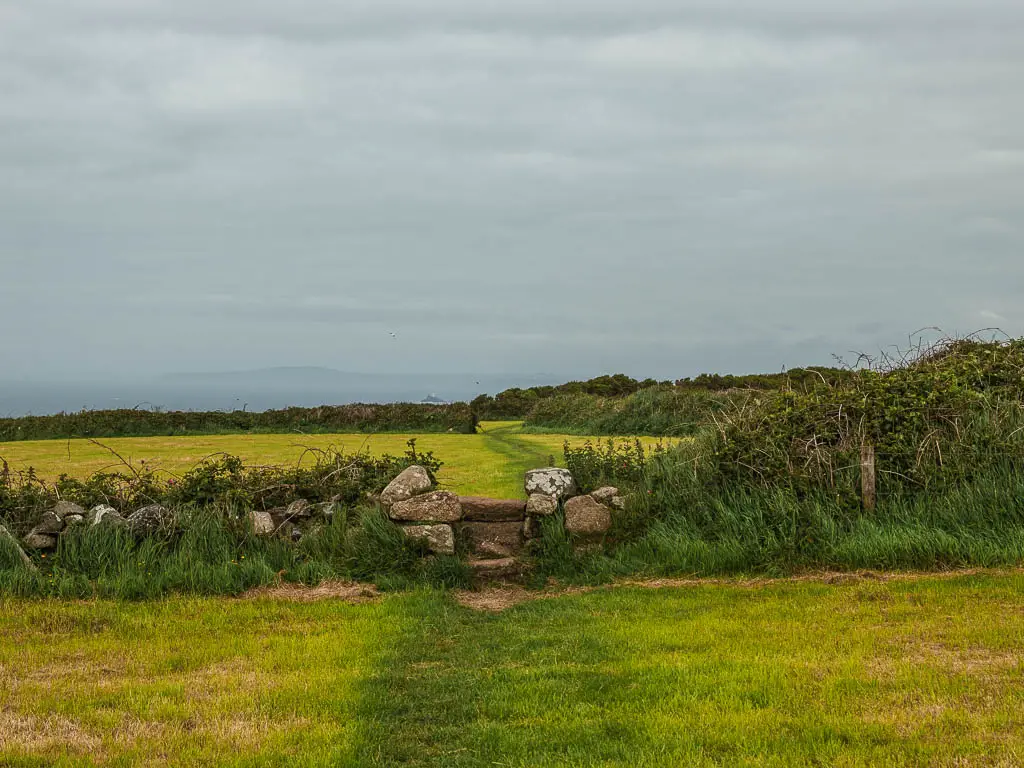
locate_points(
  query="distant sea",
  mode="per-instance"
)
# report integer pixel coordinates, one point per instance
(253, 391)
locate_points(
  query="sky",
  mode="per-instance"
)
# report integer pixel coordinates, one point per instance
(503, 186)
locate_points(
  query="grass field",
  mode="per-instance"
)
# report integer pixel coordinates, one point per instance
(490, 463)
(918, 672)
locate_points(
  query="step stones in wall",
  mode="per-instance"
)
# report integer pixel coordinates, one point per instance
(440, 539)
(432, 507)
(494, 540)
(494, 530)
(480, 509)
(503, 569)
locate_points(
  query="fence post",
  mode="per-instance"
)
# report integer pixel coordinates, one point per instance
(867, 476)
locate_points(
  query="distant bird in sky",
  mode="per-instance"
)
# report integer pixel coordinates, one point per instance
(394, 335)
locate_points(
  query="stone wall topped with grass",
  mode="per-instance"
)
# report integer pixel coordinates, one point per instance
(493, 533)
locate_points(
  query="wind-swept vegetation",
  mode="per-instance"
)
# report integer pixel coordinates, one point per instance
(776, 480)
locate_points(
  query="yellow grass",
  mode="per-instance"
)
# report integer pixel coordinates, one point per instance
(473, 464)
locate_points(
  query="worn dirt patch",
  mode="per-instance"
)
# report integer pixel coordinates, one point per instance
(501, 597)
(973, 661)
(42, 734)
(330, 590)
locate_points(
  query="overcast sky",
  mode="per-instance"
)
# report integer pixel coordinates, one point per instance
(579, 186)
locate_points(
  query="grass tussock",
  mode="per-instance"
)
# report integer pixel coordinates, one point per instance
(213, 552)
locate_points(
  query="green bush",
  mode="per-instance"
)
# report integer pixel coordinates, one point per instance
(771, 485)
(939, 418)
(609, 463)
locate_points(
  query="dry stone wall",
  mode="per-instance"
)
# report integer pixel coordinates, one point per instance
(494, 532)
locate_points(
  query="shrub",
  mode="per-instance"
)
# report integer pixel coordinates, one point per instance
(609, 463)
(938, 418)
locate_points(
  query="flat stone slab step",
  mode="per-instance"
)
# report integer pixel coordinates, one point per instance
(500, 569)
(484, 510)
(493, 540)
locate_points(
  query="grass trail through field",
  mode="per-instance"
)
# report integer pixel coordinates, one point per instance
(784, 673)
(781, 674)
(517, 455)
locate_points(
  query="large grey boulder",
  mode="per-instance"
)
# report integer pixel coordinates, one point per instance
(584, 516)
(435, 507)
(49, 524)
(63, 509)
(36, 540)
(439, 538)
(412, 481)
(541, 505)
(550, 481)
(103, 514)
(149, 520)
(8, 541)
(485, 510)
(610, 497)
(261, 522)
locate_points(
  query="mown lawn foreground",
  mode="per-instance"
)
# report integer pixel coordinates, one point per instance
(926, 671)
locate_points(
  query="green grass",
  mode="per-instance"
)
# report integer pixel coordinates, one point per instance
(490, 463)
(922, 672)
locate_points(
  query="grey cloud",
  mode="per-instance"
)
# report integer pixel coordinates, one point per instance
(520, 186)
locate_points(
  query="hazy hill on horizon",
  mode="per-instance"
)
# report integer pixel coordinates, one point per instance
(255, 390)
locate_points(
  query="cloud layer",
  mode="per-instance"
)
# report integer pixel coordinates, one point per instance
(573, 187)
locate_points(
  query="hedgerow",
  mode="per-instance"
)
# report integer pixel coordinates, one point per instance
(391, 417)
(936, 417)
(773, 482)
(660, 411)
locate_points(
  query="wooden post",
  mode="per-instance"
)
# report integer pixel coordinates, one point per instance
(867, 476)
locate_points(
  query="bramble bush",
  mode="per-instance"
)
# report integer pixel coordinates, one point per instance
(612, 462)
(771, 484)
(659, 411)
(937, 417)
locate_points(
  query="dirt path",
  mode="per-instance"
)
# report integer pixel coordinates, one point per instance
(499, 597)
(520, 455)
